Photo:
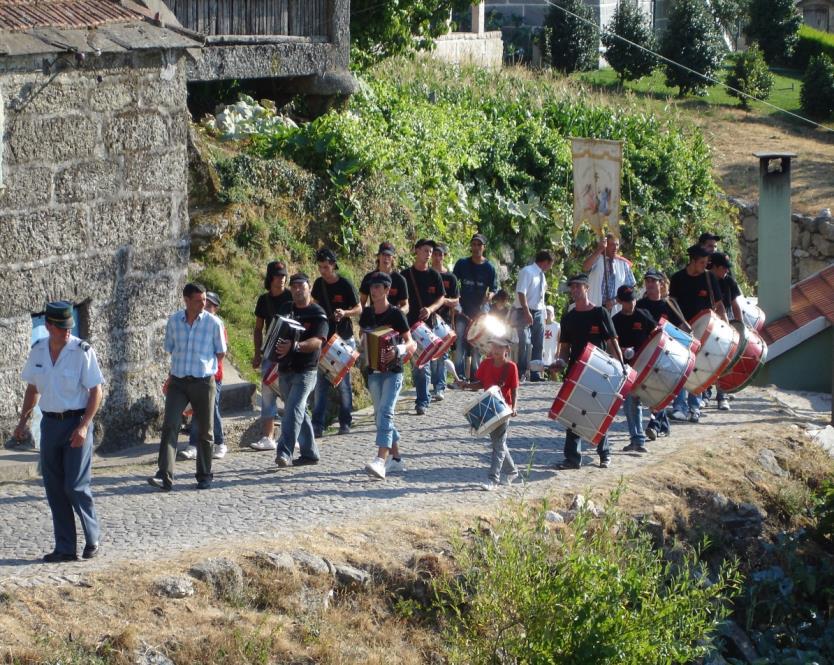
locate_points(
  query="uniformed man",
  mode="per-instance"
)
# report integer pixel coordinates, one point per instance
(62, 371)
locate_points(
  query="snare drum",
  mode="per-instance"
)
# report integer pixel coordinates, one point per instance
(336, 359)
(427, 344)
(482, 329)
(748, 361)
(680, 336)
(486, 411)
(719, 341)
(443, 331)
(752, 315)
(593, 391)
(662, 366)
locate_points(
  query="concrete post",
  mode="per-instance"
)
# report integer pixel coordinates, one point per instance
(774, 262)
(479, 17)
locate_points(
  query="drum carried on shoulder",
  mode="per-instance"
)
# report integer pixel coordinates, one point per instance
(663, 364)
(429, 345)
(747, 362)
(486, 411)
(719, 343)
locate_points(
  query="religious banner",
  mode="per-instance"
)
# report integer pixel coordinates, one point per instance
(597, 165)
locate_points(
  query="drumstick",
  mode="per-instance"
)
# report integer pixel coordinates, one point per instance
(674, 305)
(450, 367)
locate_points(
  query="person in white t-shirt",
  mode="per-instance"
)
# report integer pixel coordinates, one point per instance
(551, 337)
(528, 313)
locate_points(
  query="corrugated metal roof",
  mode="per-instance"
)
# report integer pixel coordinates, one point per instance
(810, 299)
(22, 15)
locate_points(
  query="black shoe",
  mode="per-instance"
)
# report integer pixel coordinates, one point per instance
(318, 433)
(59, 557)
(631, 447)
(153, 481)
(91, 551)
(344, 429)
(203, 484)
(536, 378)
(304, 461)
(420, 410)
(564, 465)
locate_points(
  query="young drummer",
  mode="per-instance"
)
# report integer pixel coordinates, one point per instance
(499, 370)
(385, 386)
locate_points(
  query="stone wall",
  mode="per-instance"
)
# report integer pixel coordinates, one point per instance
(94, 211)
(469, 48)
(812, 241)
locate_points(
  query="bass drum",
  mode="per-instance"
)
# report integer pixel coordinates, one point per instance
(662, 365)
(748, 362)
(719, 342)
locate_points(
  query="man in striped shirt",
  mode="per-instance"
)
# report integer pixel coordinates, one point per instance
(195, 340)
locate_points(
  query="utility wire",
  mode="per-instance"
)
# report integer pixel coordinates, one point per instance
(689, 69)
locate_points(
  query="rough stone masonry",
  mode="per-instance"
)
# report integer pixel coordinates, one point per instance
(93, 210)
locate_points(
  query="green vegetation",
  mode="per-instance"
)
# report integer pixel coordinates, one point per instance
(817, 95)
(628, 61)
(570, 43)
(774, 25)
(750, 76)
(812, 42)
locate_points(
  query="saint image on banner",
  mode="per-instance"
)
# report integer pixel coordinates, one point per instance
(597, 166)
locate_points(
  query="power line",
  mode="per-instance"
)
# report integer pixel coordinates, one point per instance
(705, 77)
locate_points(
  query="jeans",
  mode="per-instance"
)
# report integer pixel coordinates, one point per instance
(269, 398)
(659, 422)
(322, 394)
(67, 473)
(572, 453)
(295, 389)
(501, 458)
(200, 393)
(634, 418)
(438, 374)
(530, 336)
(385, 388)
(464, 348)
(687, 402)
(420, 378)
(194, 435)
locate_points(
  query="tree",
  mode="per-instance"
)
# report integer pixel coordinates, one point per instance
(750, 75)
(571, 44)
(732, 15)
(817, 94)
(693, 39)
(774, 25)
(629, 61)
(382, 28)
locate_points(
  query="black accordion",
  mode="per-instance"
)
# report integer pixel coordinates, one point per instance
(281, 329)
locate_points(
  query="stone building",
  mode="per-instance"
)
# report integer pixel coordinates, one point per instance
(818, 14)
(94, 188)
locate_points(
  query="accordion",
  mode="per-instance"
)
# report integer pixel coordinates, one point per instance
(377, 341)
(281, 329)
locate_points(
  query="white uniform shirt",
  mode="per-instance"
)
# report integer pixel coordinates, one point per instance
(551, 342)
(65, 385)
(533, 284)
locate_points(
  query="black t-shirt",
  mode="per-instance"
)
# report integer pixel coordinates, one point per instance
(729, 292)
(658, 309)
(314, 321)
(393, 318)
(397, 292)
(633, 330)
(339, 295)
(579, 328)
(429, 289)
(451, 290)
(693, 293)
(475, 280)
(268, 305)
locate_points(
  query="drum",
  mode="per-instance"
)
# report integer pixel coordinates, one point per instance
(752, 315)
(482, 329)
(443, 331)
(486, 411)
(427, 344)
(336, 359)
(719, 341)
(680, 336)
(749, 359)
(270, 379)
(662, 365)
(593, 391)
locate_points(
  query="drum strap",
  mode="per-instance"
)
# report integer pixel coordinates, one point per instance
(417, 293)
(709, 289)
(326, 300)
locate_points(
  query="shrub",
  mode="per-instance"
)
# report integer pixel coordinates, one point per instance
(595, 592)
(751, 76)
(812, 42)
(774, 24)
(631, 23)
(817, 93)
(571, 45)
(692, 38)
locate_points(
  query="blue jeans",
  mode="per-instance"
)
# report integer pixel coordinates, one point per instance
(501, 458)
(687, 402)
(634, 418)
(464, 349)
(530, 336)
(572, 453)
(194, 435)
(269, 398)
(67, 473)
(385, 388)
(295, 388)
(660, 422)
(322, 394)
(438, 374)
(420, 378)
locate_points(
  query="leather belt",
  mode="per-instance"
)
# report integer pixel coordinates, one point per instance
(63, 415)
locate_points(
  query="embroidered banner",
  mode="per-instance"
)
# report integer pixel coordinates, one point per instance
(597, 167)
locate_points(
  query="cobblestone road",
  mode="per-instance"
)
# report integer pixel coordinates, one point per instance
(251, 498)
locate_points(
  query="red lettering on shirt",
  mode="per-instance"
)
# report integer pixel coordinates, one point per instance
(432, 289)
(393, 292)
(338, 298)
(637, 326)
(595, 330)
(702, 294)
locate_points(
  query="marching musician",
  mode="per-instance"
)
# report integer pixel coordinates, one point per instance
(447, 313)
(384, 385)
(720, 266)
(398, 293)
(298, 361)
(633, 326)
(585, 323)
(340, 302)
(275, 297)
(425, 297)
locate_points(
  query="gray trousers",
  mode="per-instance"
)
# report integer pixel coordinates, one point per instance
(200, 393)
(501, 458)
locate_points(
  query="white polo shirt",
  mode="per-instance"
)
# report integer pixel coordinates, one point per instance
(65, 385)
(532, 283)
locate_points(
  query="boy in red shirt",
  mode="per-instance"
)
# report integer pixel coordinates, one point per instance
(499, 370)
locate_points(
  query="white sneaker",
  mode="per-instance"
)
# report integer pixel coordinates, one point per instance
(265, 443)
(394, 466)
(189, 452)
(488, 486)
(376, 468)
(220, 451)
(678, 415)
(296, 449)
(515, 479)
(723, 404)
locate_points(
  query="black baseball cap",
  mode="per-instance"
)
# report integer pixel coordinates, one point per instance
(720, 260)
(326, 254)
(424, 241)
(707, 236)
(480, 237)
(697, 252)
(379, 277)
(441, 247)
(386, 248)
(653, 273)
(213, 298)
(579, 278)
(625, 293)
(299, 277)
